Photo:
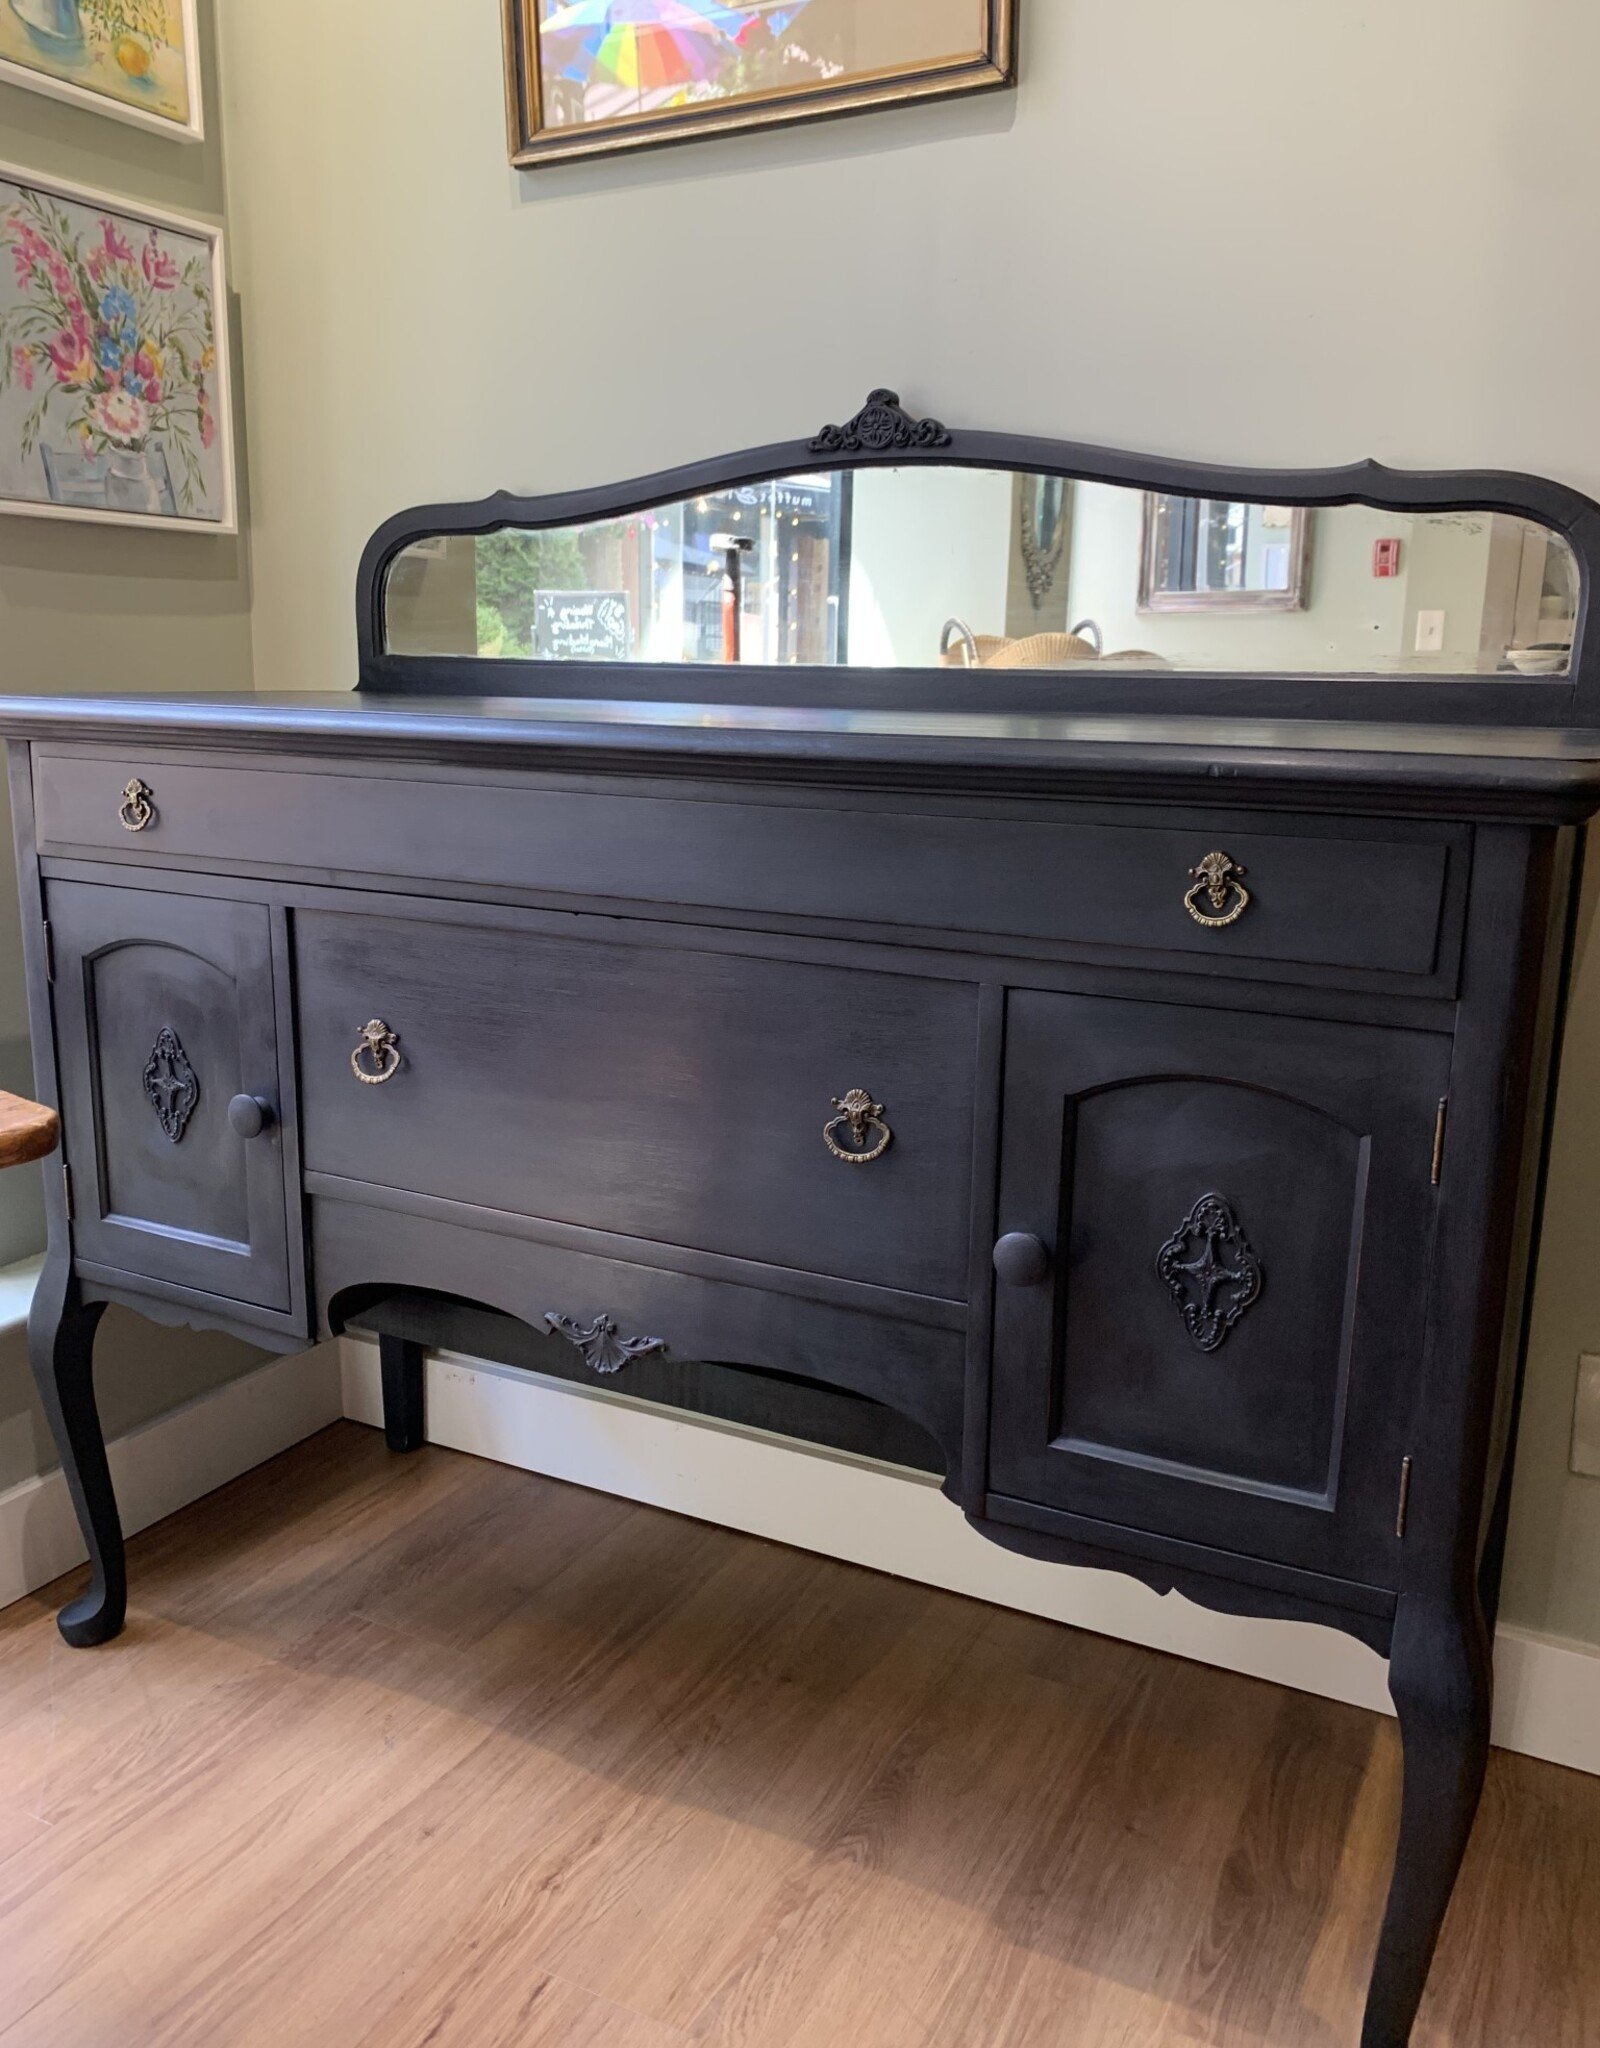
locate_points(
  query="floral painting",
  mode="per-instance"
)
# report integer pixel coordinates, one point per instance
(113, 394)
(593, 75)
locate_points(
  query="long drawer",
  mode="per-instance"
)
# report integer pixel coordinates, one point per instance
(1378, 905)
(652, 1093)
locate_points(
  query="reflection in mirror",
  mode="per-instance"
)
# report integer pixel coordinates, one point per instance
(943, 566)
(1202, 554)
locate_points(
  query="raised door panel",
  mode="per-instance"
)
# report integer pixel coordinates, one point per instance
(648, 1091)
(1238, 1214)
(166, 1010)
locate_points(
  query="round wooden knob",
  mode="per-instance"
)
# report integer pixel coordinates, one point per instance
(1021, 1259)
(249, 1115)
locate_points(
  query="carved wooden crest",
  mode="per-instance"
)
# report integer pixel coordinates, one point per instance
(882, 424)
(1210, 1270)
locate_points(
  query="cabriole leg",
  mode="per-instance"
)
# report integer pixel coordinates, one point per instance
(404, 1400)
(1441, 1681)
(61, 1330)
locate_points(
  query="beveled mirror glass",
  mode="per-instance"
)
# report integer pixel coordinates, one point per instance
(939, 565)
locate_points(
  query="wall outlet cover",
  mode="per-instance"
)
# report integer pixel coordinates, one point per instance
(1586, 1421)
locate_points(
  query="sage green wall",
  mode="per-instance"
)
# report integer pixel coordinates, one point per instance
(85, 608)
(1409, 279)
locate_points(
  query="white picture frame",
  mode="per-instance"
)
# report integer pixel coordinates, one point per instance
(36, 78)
(136, 216)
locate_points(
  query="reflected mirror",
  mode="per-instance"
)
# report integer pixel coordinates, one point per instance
(944, 566)
(1208, 554)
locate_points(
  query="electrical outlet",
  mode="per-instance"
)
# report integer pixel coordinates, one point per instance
(1586, 1421)
(1430, 632)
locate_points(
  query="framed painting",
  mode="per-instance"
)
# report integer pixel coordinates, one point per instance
(138, 60)
(590, 77)
(115, 400)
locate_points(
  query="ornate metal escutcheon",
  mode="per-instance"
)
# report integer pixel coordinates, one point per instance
(378, 1057)
(862, 1114)
(170, 1084)
(1217, 879)
(137, 812)
(1210, 1270)
(604, 1350)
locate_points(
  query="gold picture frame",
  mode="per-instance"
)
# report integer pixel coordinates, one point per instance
(542, 134)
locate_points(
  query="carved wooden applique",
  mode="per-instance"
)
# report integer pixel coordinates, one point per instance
(882, 423)
(171, 1084)
(604, 1351)
(1210, 1270)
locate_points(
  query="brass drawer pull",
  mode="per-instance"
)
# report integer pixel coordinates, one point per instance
(137, 812)
(1217, 878)
(862, 1114)
(377, 1058)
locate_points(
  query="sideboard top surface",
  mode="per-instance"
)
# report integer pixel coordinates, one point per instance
(1487, 771)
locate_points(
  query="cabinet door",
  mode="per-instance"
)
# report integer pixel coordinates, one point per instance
(1224, 1341)
(165, 1012)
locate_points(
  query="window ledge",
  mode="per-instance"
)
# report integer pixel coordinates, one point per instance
(16, 1292)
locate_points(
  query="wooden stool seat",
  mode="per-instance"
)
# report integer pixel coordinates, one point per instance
(27, 1130)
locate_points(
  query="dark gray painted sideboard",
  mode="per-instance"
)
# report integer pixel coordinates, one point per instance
(899, 1040)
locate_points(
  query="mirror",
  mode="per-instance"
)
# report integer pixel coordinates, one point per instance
(938, 565)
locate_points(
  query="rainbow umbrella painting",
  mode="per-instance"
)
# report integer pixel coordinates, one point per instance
(645, 45)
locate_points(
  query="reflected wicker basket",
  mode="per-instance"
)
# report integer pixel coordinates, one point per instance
(1041, 650)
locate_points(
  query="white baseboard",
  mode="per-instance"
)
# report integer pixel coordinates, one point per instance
(1548, 1694)
(170, 1462)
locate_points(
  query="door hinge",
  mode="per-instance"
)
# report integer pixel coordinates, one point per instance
(1438, 1139)
(1403, 1512)
(49, 951)
(66, 1189)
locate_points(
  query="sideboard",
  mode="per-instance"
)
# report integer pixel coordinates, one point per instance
(1135, 1084)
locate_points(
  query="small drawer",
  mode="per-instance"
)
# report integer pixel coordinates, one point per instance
(1370, 904)
(650, 1093)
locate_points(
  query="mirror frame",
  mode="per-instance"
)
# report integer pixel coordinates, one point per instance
(884, 435)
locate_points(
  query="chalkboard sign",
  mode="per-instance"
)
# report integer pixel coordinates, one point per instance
(582, 625)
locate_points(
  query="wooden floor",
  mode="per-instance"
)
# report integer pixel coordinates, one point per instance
(427, 1753)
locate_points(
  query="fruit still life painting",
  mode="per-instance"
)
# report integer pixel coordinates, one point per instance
(136, 59)
(112, 390)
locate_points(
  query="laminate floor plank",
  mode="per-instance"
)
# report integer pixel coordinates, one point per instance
(589, 1737)
(381, 1718)
(643, 1899)
(1517, 1960)
(892, 1910)
(526, 2011)
(1247, 1975)
(429, 1753)
(175, 1877)
(75, 1739)
(1138, 1842)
